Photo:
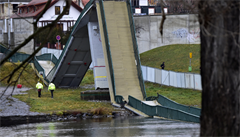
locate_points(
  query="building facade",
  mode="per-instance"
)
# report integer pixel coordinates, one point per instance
(7, 9)
(20, 24)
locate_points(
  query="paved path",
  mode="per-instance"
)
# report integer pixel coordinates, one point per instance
(10, 106)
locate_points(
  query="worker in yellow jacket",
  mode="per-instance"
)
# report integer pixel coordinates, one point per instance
(39, 87)
(51, 87)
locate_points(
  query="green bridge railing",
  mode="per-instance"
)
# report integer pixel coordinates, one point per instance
(51, 74)
(171, 104)
(135, 48)
(105, 31)
(119, 99)
(38, 67)
(19, 57)
(162, 111)
(47, 56)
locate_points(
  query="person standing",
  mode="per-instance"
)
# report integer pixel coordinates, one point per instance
(51, 87)
(162, 65)
(39, 87)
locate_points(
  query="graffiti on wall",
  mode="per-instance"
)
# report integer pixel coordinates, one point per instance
(138, 29)
(192, 35)
(180, 33)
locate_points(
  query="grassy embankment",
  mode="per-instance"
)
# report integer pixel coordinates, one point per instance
(69, 99)
(64, 99)
(28, 79)
(176, 58)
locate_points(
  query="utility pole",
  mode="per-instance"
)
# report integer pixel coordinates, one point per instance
(9, 25)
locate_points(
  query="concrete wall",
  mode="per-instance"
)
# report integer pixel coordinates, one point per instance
(1, 30)
(177, 29)
(22, 30)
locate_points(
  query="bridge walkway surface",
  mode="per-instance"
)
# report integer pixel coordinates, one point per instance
(120, 44)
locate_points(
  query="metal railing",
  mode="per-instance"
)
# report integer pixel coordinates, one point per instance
(47, 56)
(104, 23)
(135, 47)
(52, 73)
(162, 111)
(171, 104)
(38, 66)
(19, 57)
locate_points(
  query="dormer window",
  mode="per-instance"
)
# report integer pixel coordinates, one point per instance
(57, 10)
(67, 12)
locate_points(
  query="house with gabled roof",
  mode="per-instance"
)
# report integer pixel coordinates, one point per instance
(35, 7)
(21, 26)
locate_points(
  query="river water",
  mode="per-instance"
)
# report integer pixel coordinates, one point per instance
(106, 127)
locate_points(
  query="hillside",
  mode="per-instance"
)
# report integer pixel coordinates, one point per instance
(27, 79)
(176, 57)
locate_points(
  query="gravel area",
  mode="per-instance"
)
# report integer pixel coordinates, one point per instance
(10, 106)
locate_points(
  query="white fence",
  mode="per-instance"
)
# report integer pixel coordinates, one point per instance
(171, 78)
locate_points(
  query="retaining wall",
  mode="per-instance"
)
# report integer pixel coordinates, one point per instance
(177, 29)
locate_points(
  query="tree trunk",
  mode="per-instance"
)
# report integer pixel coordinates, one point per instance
(220, 60)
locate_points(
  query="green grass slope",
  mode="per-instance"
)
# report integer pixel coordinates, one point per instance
(176, 57)
(27, 79)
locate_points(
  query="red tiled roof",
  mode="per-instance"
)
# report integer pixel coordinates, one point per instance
(41, 5)
(34, 2)
(29, 14)
(84, 2)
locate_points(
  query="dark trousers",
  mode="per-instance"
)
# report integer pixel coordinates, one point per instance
(52, 93)
(39, 92)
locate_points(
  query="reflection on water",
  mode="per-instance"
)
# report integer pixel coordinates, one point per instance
(134, 126)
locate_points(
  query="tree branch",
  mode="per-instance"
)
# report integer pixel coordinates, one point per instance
(162, 21)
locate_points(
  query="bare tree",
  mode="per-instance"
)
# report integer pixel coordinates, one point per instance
(37, 31)
(220, 67)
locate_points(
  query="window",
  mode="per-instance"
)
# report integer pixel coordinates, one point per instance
(67, 12)
(2, 8)
(27, 9)
(20, 11)
(57, 10)
(15, 7)
(60, 26)
(34, 8)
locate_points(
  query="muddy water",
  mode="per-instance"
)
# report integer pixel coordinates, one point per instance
(133, 126)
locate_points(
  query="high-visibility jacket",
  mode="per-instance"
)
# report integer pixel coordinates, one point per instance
(39, 86)
(51, 86)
